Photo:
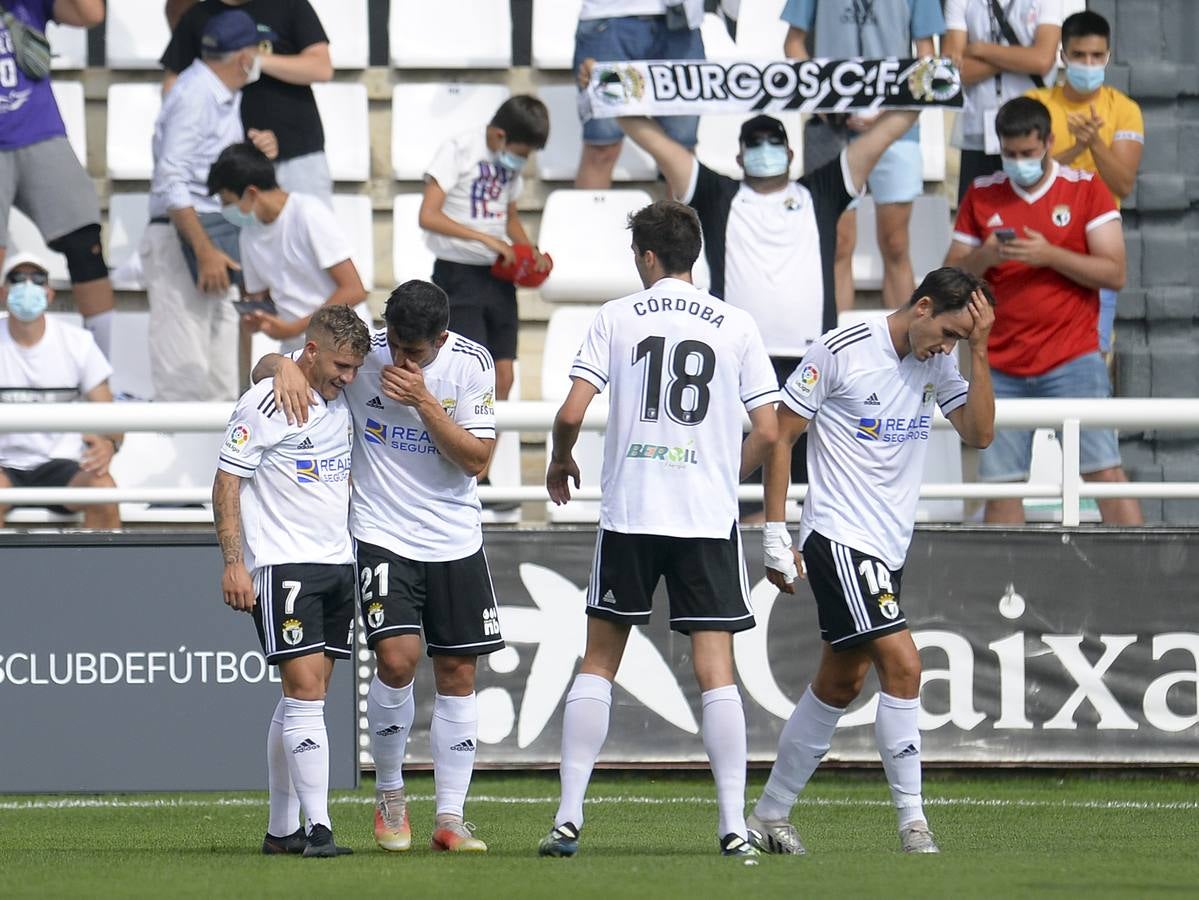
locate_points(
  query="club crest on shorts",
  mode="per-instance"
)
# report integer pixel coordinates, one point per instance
(887, 605)
(374, 615)
(293, 631)
(1061, 215)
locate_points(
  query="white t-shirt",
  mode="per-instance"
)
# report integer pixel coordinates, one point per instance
(974, 17)
(290, 256)
(871, 418)
(407, 496)
(605, 9)
(477, 193)
(684, 368)
(295, 489)
(63, 366)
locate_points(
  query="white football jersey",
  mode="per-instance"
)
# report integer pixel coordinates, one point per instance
(684, 367)
(407, 497)
(871, 418)
(295, 489)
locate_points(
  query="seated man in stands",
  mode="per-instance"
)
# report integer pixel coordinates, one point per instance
(46, 361)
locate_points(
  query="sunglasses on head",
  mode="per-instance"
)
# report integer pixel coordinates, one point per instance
(757, 140)
(40, 278)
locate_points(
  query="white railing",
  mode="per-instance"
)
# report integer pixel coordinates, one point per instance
(1069, 416)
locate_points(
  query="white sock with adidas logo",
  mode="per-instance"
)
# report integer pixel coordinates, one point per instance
(898, 737)
(389, 714)
(453, 735)
(284, 803)
(307, 745)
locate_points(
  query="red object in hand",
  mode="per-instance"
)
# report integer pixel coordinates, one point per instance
(522, 272)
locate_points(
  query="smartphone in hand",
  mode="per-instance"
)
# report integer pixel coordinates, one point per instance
(1003, 235)
(247, 307)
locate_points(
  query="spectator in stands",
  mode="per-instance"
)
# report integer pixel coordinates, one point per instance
(47, 361)
(281, 101)
(292, 250)
(1003, 49)
(1047, 238)
(39, 172)
(175, 9)
(1096, 127)
(766, 237)
(469, 215)
(613, 30)
(193, 354)
(842, 31)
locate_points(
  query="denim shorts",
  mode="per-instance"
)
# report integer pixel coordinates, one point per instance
(1009, 457)
(1107, 318)
(898, 176)
(636, 37)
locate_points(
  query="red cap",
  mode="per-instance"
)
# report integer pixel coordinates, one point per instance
(522, 272)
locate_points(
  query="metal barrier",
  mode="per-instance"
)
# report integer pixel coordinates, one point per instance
(1068, 416)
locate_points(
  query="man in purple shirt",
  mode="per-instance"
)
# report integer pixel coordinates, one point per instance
(39, 172)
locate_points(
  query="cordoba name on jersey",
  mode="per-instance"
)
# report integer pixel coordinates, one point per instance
(680, 305)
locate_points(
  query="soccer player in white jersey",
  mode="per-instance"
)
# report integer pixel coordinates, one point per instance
(868, 393)
(683, 368)
(424, 425)
(281, 501)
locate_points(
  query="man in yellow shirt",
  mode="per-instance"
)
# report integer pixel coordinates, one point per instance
(1095, 127)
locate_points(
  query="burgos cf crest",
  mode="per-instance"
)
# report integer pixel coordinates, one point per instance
(375, 432)
(374, 615)
(293, 631)
(616, 84)
(307, 472)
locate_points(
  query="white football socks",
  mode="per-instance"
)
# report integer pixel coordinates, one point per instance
(802, 745)
(724, 740)
(307, 745)
(453, 735)
(285, 805)
(584, 730)
(389, 714)
(898, 737)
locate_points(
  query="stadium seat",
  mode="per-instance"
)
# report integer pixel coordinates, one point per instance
(69, 97)
(929, 231)
(443, 110)
(136, 34)
(932, 143)
(563, 335)
(505, 462)
(345, 21)
(717, 42)
(166, 460)
(128, 215)
(559, 161)
(131, 356)
(591, 263)
(760, 31)
(343, 109)
(353, 214)
(132, 109)
(410, 258)
(24, 236)
(451, 34)
(69, 46)
(554, 24)
(717, 145)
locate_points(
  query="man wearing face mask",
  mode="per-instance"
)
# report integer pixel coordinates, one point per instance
(1047, 238)
(1099, 128)
(47, 361)
(189, 251)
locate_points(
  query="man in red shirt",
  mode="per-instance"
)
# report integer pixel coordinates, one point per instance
(1047, 238)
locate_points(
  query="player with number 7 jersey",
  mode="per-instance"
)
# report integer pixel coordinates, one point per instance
(682, 369)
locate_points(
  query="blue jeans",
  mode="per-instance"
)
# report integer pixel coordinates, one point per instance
(1107, 318)
(1010, 455)
(636, 37)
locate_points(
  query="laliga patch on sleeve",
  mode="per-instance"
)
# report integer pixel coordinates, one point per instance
(806, 381)
(238, 438)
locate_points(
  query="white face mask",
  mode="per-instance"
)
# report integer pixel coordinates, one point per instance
(255, 70)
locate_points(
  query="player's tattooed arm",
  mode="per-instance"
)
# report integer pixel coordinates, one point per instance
(236, 586)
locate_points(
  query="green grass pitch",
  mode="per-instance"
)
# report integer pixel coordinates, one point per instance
(647, 835)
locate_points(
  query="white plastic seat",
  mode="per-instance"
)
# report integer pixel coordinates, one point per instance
(346, 23)
(343, 109)
(131, 355)
(410, 258)
(505, 461)
(23, 236)
(554, 24)
(166, 460)
(932, 144)
(559, 161)
(132, 109)
(718, 45)
(68, 46)
(354, 216)
(929, 240)
(69, 97)
(128, 215)
(717, 143)
(563, 336)
(586, 233)
(450, 34)
(136, 34)
(760, 31)
(423, 116)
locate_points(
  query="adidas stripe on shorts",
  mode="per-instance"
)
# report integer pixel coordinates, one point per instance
(304, 608)
(857, 596)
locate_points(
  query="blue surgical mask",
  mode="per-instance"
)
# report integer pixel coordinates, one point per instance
(1084, 79)
(26, 300)
(237, 218)
(765, 160)
(1024, 172)
(511, 161)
